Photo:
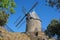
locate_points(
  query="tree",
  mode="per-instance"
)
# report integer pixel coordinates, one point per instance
(54, 3)
(53, 29)
(6, 8)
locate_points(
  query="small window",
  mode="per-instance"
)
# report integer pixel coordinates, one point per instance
(36, 34)
(31, 18)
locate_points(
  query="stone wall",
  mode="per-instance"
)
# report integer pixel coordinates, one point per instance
(5, 35)
(39, 36)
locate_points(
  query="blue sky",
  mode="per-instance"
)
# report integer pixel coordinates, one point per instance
(45, 13)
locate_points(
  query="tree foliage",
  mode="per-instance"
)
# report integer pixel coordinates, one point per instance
(53, 29)
(54, 3)
(6, 8)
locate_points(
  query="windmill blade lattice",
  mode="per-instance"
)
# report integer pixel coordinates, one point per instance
(20, 21)
(24, 10)
(17, 19)
(26, 14)
(33, 7)
(9, 28)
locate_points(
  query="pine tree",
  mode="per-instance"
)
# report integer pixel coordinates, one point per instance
(54, 3)
(53, 29)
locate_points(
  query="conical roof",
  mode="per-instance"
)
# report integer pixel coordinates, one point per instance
(34, 15)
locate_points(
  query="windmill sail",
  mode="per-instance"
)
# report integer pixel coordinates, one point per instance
(27, 13)
(33, 7)
(17, 19)
(24, 10)
(20, 21)
(8, 28)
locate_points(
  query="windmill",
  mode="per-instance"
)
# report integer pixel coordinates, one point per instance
(32, 20)
(26, 14)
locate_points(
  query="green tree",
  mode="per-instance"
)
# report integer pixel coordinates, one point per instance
(6, 8)
(54, 3)
(53, 29)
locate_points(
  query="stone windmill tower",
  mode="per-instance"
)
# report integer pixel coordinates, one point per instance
(34, 23)
(33, 27)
